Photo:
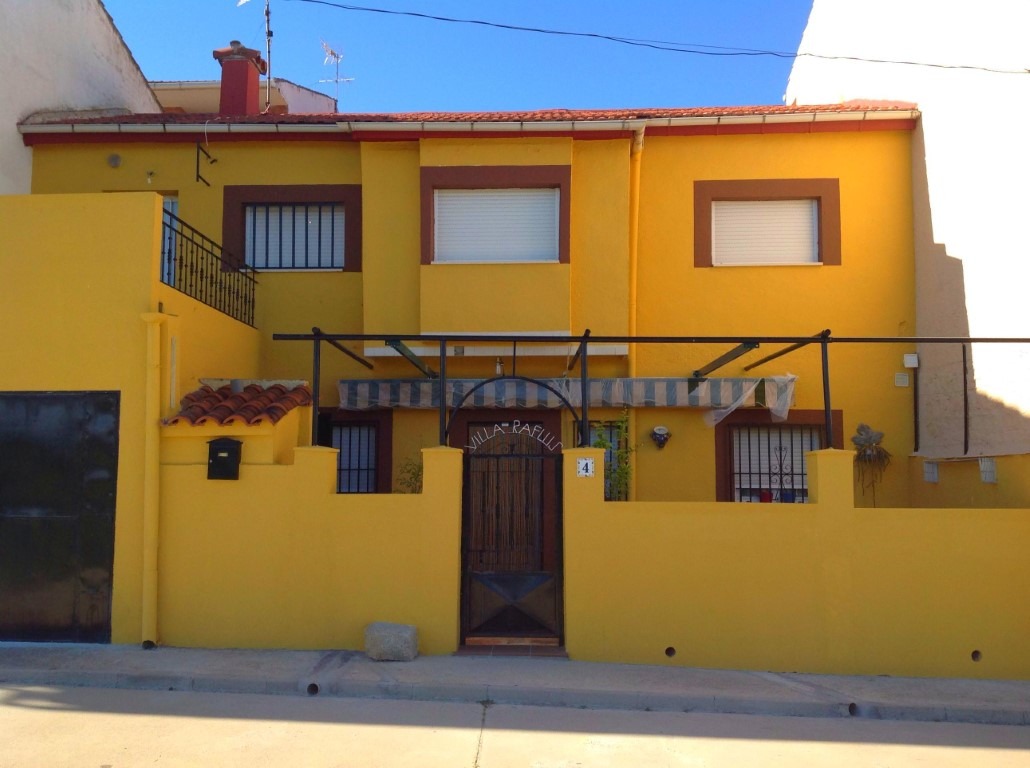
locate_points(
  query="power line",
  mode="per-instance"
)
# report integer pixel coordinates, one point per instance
(696, 49)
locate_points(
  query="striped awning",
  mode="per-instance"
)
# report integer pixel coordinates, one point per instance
(775, 392)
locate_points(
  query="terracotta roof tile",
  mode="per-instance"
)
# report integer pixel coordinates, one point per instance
(256, 403)
(528, 116)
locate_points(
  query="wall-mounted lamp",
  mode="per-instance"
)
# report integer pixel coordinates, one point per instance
(661, 436)
(150, 177)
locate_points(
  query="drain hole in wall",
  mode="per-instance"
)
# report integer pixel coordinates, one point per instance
(670, 651)
(312, 689)
(975, 655)
(852, 709)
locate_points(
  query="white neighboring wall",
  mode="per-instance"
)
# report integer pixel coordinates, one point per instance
(203, 96)
(59, 55)
(971, 191)
(301, 100)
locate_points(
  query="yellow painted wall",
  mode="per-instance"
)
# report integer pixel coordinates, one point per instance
(171, 169)
(76, 274)
(279, 559)
(523, 151)
(821, 587)
(959, 484)
(413, 430)
(201, 343)
(285, 302)
(390, 196)
(599, 251)
(492, 298)
(263, 443)
(870, 294)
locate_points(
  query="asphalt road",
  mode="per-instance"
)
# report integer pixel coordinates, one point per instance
(112, 728)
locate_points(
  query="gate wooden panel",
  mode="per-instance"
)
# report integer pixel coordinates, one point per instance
(511, 542)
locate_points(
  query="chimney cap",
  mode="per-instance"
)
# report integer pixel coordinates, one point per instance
(236, 51)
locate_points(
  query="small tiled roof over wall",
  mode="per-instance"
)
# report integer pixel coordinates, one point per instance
(248, 403)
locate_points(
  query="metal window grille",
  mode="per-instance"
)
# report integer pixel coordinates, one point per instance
(769, 462)
(301, 236)
(608, 432)
(356, 467)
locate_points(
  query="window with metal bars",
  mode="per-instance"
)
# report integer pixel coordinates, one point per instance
(606, 434)
(769, 461)
(294, 236)
(356, 467)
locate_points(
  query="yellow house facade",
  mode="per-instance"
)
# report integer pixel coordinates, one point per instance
(544, 379)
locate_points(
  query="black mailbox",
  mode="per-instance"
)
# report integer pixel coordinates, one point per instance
(223, 459)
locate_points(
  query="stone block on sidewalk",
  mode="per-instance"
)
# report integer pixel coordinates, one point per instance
(385, 641)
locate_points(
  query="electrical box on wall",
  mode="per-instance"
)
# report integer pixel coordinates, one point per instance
(223, 458)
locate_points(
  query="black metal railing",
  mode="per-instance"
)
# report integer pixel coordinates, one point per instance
(196, 265)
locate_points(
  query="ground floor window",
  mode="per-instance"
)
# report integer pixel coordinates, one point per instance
(769, 462)
(758, 460)
(612, 437)
(356, 469)
(364, 444)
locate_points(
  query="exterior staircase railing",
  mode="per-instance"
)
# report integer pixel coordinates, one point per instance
(196, 265)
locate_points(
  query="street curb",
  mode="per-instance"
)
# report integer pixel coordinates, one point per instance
(328, 685)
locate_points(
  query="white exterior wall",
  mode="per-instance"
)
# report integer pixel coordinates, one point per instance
(301, 100)
(59, 55)
(971, 183)
(204, 95)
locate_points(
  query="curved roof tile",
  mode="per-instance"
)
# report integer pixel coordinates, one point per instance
(254, 404)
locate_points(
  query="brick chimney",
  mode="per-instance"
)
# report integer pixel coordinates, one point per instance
(241, 67)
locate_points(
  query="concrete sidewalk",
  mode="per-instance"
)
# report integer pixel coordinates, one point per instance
(548, 682)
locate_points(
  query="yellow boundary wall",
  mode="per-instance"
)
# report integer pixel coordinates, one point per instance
(278, 559)
(821, 587)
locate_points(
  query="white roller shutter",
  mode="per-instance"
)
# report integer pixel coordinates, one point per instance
(476, 225)
(765, 232)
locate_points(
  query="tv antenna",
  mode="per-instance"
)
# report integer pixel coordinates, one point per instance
(334, 57)
(268, 49)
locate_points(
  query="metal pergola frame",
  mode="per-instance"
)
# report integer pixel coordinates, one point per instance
(743, 344)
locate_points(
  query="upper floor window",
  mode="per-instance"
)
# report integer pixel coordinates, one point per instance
(300, 236)
(496, 225)
(293, 227)
(494, 214)
(767, 222)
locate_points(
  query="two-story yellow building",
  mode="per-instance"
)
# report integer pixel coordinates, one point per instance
(450, 304)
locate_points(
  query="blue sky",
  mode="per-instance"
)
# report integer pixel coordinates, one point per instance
(401, 64)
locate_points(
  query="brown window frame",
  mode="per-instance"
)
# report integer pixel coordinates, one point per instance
(235, 198)
(434, 177)
(826, 192)
(760, 417)
(382, 420)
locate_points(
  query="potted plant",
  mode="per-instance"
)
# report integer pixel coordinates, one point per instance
(871, 458)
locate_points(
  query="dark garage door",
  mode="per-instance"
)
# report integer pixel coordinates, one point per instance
(58, 472)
